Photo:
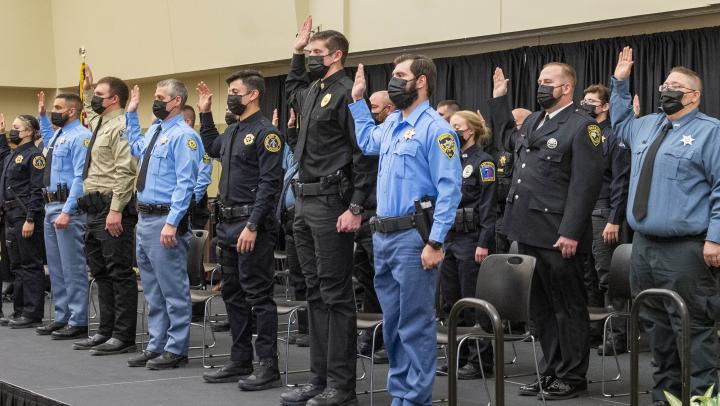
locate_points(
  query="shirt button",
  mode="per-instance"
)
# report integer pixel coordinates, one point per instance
(546, 210)
(517, 197)
(527, 150)
(548, 157)
(523, 165)
(519, 180)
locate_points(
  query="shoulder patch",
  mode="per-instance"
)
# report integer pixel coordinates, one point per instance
(86, 142)
(191, 144)
(39, 162)
(487, 171)
(18, 159)
(206, 159)
(595, 134)
(249, 139)
(447, 145)
(272, 143)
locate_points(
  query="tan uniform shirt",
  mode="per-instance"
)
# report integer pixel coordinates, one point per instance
(112, 169)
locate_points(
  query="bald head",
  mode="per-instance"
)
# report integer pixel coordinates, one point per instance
(520, 115)
(380, 105)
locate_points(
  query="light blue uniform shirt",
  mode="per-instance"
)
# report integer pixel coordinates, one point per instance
(418, 157)
(173, 166)
(685, 188)
(68, 158)
(204, 177)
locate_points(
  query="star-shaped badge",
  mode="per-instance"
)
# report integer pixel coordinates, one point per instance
(163, 140)
(409, 133)
(687, 139)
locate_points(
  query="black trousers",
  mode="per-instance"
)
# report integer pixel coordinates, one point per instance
(297, 280)
(364, 268)
(26, 263)
(324, 258)
(558, 312)
(248, 289)
(459, 278)
(110, 260)
(200, 214)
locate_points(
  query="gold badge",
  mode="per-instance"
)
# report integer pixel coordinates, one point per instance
(409, 133)
(39, 162)
(249, 139)
(164, 139)
(447, 145)
(206, 159)
(86, 142)
(503, 161)
(325, 100)
(273, 143)
(192, 144)
(595, 134)
(487, 171)
(19, 159)
(62, 140)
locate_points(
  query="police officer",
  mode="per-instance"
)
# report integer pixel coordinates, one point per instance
(251, 156)
(21, 188)
(330, 192)
(108, 183)
(556, 180)
(469, 240)
(672, 206)
(419, 167)
(609, 213)
(64, 224)
(199, 213)
(446, 108)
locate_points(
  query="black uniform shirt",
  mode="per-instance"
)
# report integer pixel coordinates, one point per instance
(478, 191)
(23, 176)
(616, 178)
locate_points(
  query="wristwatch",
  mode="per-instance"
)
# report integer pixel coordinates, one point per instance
(434, 244)
(30, 220)
(356, 209)
(251, 226)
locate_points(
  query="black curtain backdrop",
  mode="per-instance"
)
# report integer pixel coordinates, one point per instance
(468, 79)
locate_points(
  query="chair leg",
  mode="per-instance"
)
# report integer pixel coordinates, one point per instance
(537, 369)
(482, 372)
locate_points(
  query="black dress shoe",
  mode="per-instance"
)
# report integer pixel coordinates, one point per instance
(561, 390)
(381, 356)
(302, 340)
(140, 360)
(300, 395)
(220, 326)
(48, 329)
(472, 371)
(113, 346)
(24, 322)
(442, 370)
(90, 342)
(613, 346)
(532, 389)
(232, 371)
(266, 376)
(5, 320)
(167, 360)
(69, 333)
(334, 397)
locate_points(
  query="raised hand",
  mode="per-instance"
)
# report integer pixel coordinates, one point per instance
(624, 65)
(2, 123)
(204, 97)
(500, 84)
(358, 89)
(303, 36)
(41, 103)
(134, 99)
(291, 120)
(88, 78)
(275, 119)
(636, 106)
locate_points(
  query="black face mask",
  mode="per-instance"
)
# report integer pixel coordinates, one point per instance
(590, 109)
(58, 119)
(97, 104)
(234, 104)
(671, 101)
(316, 67)
(160, 109)
(230, 118)
(545, 97)
(14, 137)
(400, 95)
(462, 139)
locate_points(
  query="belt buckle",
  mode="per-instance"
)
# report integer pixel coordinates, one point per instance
(300, 188)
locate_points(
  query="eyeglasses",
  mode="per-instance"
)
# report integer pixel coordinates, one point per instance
(589, 103)
(674, 88)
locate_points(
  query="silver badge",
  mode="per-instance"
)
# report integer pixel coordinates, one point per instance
(552, 143)
(467, 171)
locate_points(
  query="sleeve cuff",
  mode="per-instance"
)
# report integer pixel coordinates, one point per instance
(117, 205)
(358, 197)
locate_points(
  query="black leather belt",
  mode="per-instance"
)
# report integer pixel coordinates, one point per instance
(156, 209)
(392, 224)
(683, 238)
(232, 213)
(11, 204)
(52, 197)
(315, 189)
(465, 220)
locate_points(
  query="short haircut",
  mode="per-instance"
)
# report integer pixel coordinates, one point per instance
(72, 100)
(482, 133)
(176, 88)
(421, 66)
(117, 88)
(691, 73)
(452, 105)
(31, 123)
(567, 70)
(252, 79)
(334, 41)
(602, 91)
(188, 109)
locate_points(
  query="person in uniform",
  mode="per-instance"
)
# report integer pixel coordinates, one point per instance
(331, 189)
(609, 213)
(419, 167)
(251, 156)
(108, 183)
(470, 238)
(674, 208)
(556, 180)
(21, 188)
(199, 211)
(64, 224)
(446, 108)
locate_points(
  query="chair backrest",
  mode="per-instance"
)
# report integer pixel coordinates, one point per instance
(505, 280)
(196, 249)
(513, 248)
(619, 276)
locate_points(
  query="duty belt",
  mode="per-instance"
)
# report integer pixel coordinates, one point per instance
(682, 238)
(232, 213)
(315, 189)
(11, 204)
(52, 197)
(392, 224)
(465, 220)
(156, 209)
(94, 202)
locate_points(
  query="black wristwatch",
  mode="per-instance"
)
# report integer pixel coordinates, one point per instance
(251, 226)
(434, 244)
(30, 220)
(356, 209)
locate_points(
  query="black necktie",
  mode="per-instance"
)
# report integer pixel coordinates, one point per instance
(146, 159)
(88, 155)
(642, 192)
(225, 164)
(303, 132)
(48, 159)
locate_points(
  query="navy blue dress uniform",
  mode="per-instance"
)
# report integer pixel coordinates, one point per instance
(556, 180)
(331, 179)
(474, 227)
(682, 212)
(169, 156)
(418, 158)
(250, 152)
(21, 188)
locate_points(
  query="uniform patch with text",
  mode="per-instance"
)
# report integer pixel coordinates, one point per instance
(39, 162)
(191, 144)
(487, 171)
(595, 134)
(272, 143)
(206, 159)
(447, 145)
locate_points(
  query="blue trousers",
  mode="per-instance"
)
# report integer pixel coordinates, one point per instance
(163, 272)
(407, 297)
(65, 250)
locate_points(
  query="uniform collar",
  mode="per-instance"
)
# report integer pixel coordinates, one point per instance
(415, 115)
(605, 124)
(332, 78)
(685, 119)
(167, 124)
(252, 117)
(471, 150)
(556, 112)
(21, 148)
(71, 125)
(113, 114)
